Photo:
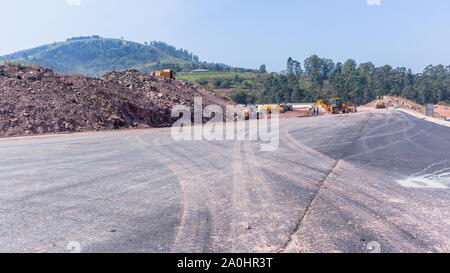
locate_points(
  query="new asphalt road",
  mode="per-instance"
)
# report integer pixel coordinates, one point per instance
(375, 181)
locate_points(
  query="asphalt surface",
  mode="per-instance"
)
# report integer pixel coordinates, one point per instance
(372, 181)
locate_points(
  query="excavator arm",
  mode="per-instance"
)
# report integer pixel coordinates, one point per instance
(320, 102)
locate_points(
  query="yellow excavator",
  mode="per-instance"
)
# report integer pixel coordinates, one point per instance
(324, 106)
(336, 106)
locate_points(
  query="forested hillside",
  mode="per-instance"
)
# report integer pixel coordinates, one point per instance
(95, 56)
(355, 83)
(301, 82)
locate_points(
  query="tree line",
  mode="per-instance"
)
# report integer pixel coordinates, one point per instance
(355, 83)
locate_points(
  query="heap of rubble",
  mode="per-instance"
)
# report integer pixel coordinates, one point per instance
(35, 100)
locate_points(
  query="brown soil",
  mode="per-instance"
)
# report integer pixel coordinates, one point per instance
(296, 113)
(35, 100)
(439, 110)
(442, 111)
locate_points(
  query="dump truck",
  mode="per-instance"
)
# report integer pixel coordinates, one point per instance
(165, 73)
(380, 103)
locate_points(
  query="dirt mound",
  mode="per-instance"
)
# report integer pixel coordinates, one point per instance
(35, 100)
(440, 111)
(404, 103)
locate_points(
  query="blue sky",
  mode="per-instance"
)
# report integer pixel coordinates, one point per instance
(246, 33)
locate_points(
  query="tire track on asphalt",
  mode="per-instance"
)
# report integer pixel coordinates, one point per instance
(388, 145)
(268, 224)
(251, 198)
(244, 202)
(239, 199)
(297, 145)
(298, 224)
(196, 220)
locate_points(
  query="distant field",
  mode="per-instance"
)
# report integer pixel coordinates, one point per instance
(195, 77)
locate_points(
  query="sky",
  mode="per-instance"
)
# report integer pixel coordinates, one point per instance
(246, 33)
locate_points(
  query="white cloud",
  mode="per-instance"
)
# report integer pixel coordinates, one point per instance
(374, 2)
(73, 2)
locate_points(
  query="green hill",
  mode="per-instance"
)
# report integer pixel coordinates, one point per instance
(94, 56)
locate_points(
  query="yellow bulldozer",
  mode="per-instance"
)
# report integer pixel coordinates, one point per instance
(165, 73)
(380, 103)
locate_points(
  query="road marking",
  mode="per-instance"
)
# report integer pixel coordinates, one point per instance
(433, 180)
(421, 183)
(436, 180)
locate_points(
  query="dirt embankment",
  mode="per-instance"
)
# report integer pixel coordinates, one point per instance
(35, 100)
(440, 111)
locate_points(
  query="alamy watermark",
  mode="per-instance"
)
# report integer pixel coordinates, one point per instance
(228, 126)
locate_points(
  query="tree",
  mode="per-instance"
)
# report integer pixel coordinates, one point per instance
(298, 69)
(262, 69)
(354, 83)
(297, 95)
(290, 66)
(313, 69)
(326, 66)
(239, 97)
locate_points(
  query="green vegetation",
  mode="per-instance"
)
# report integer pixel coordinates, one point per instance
(322, 78)
(213, 76)
(318, 78)
(359, 84)
(94, 56)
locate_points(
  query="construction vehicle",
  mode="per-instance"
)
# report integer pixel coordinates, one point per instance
(380, 103)
(324, 106)
(165, 73)
(271, 107)
(336, 106)
(287, 107)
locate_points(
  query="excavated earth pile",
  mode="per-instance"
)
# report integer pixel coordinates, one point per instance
(390, 101)
(35, 100)
(403, 103)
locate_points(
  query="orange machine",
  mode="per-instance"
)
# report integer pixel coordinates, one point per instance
(166, 73)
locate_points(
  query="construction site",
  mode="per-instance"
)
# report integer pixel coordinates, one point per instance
(343, 178)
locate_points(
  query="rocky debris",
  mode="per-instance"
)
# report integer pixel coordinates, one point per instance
(403, 103)
(440, 111)
(35, 100)
(247, 226)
